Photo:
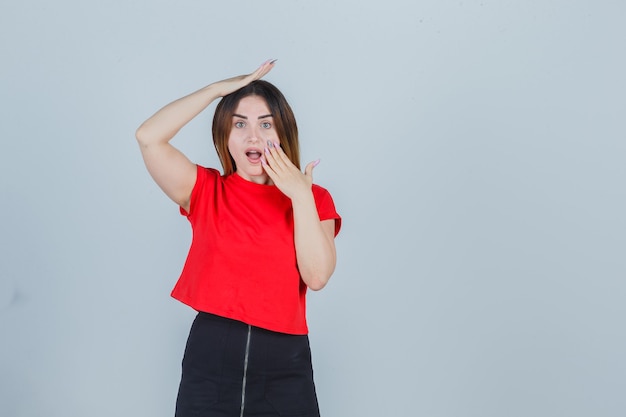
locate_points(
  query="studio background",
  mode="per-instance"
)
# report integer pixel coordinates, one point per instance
(475, 150)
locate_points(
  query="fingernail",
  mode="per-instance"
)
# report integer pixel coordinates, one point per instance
(276, 145)
(316, 163)
(273, 60)
(270, 144)
(263, 161)
(267, 150)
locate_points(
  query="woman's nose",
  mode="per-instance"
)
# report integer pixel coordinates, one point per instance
(255, 135)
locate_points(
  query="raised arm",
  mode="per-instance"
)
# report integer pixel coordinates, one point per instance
(170, 168)
(314, 239)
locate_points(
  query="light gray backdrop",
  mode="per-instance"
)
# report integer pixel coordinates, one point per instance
(475, 149)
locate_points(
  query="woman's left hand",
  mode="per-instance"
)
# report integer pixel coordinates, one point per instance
(285, 175)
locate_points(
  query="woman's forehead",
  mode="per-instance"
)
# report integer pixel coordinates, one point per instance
(251, 105)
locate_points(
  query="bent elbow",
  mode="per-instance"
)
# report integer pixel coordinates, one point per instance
(316, 285)
(141, 135)
(316, 274)
(317, 282)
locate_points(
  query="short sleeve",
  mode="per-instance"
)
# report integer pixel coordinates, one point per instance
(203, 189)
(326, 206)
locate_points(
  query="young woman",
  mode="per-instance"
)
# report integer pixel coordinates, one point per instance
(262, 234)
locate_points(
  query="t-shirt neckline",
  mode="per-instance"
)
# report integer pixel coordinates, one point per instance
(252, 186)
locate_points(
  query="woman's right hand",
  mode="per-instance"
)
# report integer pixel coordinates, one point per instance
(170, 168)
(233, 84)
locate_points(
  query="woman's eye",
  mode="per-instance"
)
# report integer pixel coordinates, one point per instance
(239, 125)
(266, 125)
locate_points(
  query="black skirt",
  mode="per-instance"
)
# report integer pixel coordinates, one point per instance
(232, 369)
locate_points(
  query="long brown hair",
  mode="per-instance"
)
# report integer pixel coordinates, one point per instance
(284, 122)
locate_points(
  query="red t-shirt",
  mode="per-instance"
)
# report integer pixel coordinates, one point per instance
(242, 261)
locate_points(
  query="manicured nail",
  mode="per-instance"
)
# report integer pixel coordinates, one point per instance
(276, 145)
(267, 150)
(270, 144)
(263, 162)
(316, 163)
(273, 60)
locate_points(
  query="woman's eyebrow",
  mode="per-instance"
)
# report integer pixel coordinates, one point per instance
(246, 117)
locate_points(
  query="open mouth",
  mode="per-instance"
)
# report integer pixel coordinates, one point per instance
(254, 155)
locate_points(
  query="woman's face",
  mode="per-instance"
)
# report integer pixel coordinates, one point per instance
(252, 126)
